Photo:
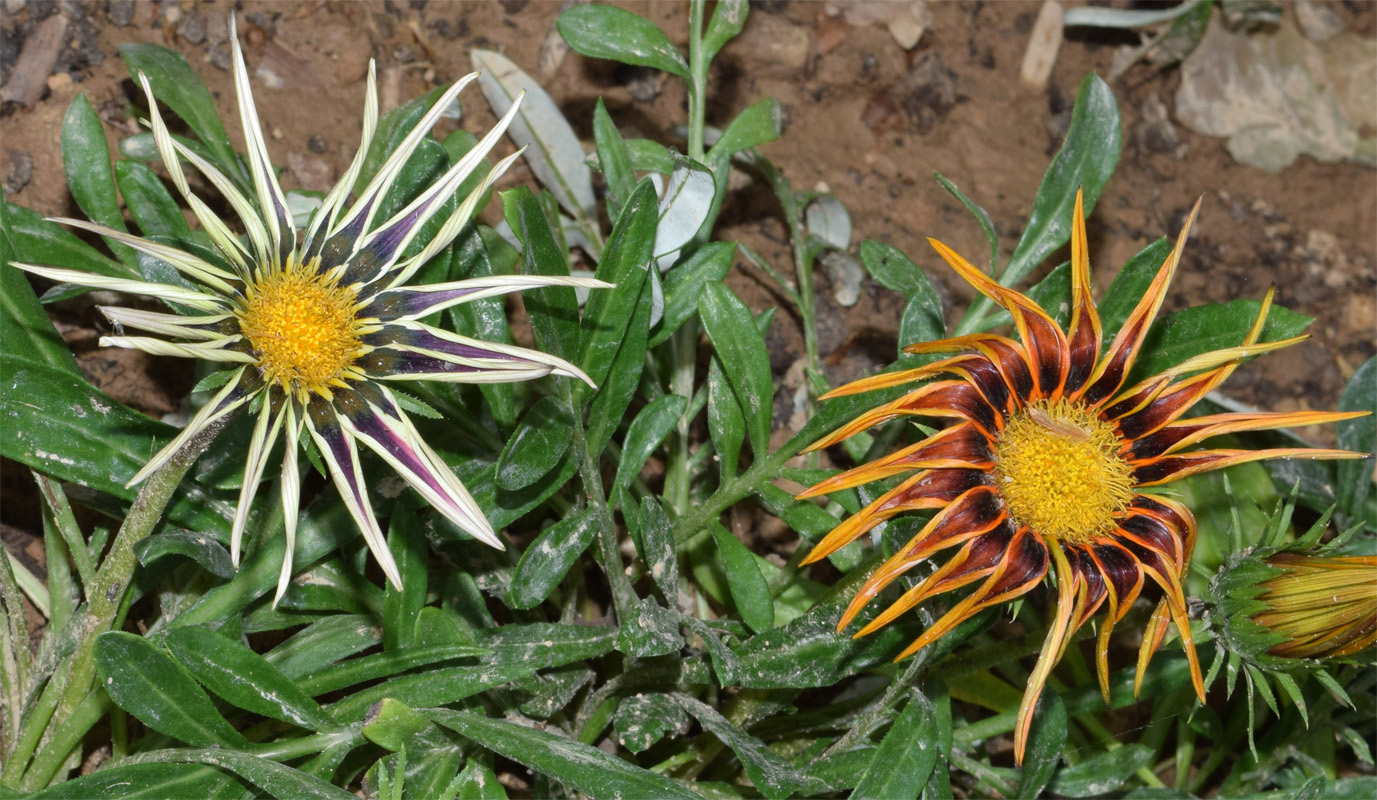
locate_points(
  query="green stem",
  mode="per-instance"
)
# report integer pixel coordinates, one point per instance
(698, 81)
(66, 736)
(683, 354)
(106, 593)
(623, 595)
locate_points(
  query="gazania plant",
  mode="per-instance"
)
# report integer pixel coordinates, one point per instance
(312, 325)
(1048, 467)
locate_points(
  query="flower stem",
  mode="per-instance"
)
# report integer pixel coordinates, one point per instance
(107, 592)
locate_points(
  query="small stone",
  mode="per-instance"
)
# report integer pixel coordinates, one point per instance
(277, 133)
(643, 84)
(513, 6)
(219, 55)
(21, 171)
(192, 28)
(36, 61)
(172, 14)
(316, 144)
(121, 12)
(928, 91)
(352, 65)
(59, 81)
(312, 173)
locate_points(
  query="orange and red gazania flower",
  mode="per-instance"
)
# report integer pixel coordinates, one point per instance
(1045, 465)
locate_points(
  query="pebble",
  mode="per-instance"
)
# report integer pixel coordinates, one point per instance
(36, 61)
(121, 12)
(192, 28)
(219, 55)
(21, 172)
(312, 173)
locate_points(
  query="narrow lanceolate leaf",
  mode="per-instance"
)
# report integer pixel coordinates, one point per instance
(726, 420)
(554, 310)
(643, 437)
(149, 202)
(584, 768)
(741, 349)
(749, 591)
(86, 158)
(24, 325)
(244, 679)
(614, 160)
(727, 21)
(553, 149)
(537, 446)
(1359, 435)
(600, 31)
(754, 126)
(548, 558)
(145, 681)
(278, 780)
(771, 774)
(906, 755)
(1044, 747)
(176, 85)
(38, 241)
(1085, 161)
(1129, 285)
(683, 284)
(409, 549)
(151, 781)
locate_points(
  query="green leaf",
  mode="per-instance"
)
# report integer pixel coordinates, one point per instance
(476, 782)
(437, 686)
(616, 322)
(749, 591)
(484, 319)
(601, 31)
(652, 630)
(24, 325)
(1103, 775)
(393, 127)
(768, 771)
(1045, 743)
(324, 642)
(727, 21)
(1129, 286)
(895, 270)
(1359, 435)
(554, 310)
(982, 217)
(584, 768)
(684, 283)
(757, 124)
(741, 348)
(407, 542)
(613, 159)
(644, 435)
(539, 443)
(278, 780)
(1203, 329)
(177, 87)
(38, 241)
(210, 554)
(905, 757)
(244, 679)
(147, 782)
(149, 202)
(144, 680)
(343, 674)
(548, 558)
(657, 548)
(86, 159)
(650, 156)
(62, 426)
(644, 718)
(1085, 161)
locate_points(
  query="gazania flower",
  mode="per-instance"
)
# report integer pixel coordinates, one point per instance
(1322, 607)
(1045, 466)
(313, 324)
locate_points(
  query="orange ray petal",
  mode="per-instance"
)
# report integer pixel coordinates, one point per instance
(1083, 336)
(1111, 370)
(885, 380)
(1164, 469)
(1184, 433)
(958, 447)
(944, 399)
(1007, 356)
(1069, 587)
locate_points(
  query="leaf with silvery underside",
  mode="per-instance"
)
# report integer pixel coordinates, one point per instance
(548, 558)
(144, 680)
(683, 210)
(244, 678)
(582, 767)
(90, 177)
(599, 31)
(177, 87)
(553, 149)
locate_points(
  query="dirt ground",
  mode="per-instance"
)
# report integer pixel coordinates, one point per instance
(866, 118)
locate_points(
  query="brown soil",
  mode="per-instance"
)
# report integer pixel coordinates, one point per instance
(867, 119)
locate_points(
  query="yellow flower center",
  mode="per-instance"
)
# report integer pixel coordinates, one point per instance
(302, 327)
(1059, 472)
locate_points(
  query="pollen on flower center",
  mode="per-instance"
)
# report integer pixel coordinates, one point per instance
(1058, 471)
(302, 328)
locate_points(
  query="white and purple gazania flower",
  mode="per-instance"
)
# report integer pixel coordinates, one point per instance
(313, 324)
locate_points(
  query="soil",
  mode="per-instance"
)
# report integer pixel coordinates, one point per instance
(867, 120)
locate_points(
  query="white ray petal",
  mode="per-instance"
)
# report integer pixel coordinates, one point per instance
(291, 497)
(490, 286)
(270, 199)
(217, 407)
(329, 209)
(188, 264)
(557, 365)
(168, 149)
(355, 495)
(160, 347)
(265, 432)
(162, 291)
(166, 324)
(386, 174)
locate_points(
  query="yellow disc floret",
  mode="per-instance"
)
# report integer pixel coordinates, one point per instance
(303, 328)
(1059, 473)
